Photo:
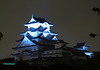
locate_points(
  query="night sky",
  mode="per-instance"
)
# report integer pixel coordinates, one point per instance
(73, 20)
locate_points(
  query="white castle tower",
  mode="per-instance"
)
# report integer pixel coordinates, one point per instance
(37, 38)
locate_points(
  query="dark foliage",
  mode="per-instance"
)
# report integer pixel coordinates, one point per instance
(1, 35)
(92, 35)
(97, 10)
(54, 64)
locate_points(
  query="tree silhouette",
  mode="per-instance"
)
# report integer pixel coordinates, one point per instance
(92, 35)
(1, 35)
(97, 10)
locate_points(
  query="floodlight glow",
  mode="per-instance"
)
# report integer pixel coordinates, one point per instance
(79, 49)
(26, 42)
(46, 33)
(45, 24)
(34, 34)
(88, 54)
(34, 25)
(32, 19)
(84, 47)
(54, 38)
(37, 24)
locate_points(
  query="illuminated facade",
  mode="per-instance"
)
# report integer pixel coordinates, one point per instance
(83, 47)
(37, 38)
(38, 41)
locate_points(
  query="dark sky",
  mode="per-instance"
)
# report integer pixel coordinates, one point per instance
(72, 19)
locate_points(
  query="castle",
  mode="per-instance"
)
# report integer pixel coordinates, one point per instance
(39, 42)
